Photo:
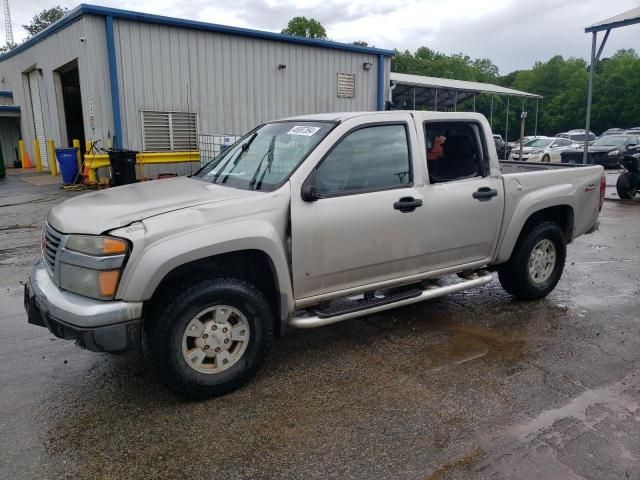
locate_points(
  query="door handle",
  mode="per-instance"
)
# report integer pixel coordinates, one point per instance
(407, 204)
(485, 193)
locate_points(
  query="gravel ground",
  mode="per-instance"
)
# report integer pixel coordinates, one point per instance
(471, 386)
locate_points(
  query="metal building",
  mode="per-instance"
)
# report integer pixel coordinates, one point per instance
(154, 83)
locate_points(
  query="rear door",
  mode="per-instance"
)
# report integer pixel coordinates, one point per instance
(361, 226)
(464, 199)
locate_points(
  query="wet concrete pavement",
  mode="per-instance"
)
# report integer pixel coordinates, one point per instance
(471, 386)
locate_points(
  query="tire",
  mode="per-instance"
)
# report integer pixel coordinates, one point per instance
(626, 187)
(229, 301)
(518, 279)
(546, 158)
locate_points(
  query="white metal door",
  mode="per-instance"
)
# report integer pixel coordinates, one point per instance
(38, 121)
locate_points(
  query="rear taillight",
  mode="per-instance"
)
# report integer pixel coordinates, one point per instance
(603, 189)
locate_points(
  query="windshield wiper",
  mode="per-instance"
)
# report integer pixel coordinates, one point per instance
(269, 156)
(243, 151)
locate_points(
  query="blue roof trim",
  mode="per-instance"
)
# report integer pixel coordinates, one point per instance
(117, 13)
(6, 93)
(9, 108)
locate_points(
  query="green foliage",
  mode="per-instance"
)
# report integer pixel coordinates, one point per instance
(435, 64)
(305, 27)
(7, 47)
(45, 18)
(562, 82)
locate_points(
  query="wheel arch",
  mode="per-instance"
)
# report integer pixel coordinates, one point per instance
(562, 214)
(252, 265)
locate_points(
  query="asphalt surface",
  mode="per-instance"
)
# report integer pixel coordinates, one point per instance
(471, 386)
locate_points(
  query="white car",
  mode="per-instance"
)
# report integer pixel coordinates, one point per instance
(542, 149)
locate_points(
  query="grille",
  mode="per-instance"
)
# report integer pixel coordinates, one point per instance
(50, 244)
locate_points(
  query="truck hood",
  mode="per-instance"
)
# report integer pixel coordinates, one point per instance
(97, 212)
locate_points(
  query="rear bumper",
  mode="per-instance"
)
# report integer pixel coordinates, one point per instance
(100, 326)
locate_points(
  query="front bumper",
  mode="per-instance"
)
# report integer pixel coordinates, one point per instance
(100, 326)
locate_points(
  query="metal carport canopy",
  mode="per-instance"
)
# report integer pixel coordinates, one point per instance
(630, 17)
(433, 92)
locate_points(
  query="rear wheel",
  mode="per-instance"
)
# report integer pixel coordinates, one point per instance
(212, 337)
(626, 187)
(536, 263)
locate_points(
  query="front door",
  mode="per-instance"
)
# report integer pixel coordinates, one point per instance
(357, 230)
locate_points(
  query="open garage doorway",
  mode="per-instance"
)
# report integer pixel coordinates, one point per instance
(68, 89)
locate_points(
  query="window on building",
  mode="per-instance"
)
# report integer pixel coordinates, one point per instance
(370, 158)
(169, 131)
(346, 85)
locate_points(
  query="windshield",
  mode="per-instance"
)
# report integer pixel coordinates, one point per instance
(611, 141)
(539, 142)
(265, 158)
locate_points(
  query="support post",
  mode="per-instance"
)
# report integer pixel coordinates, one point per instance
(37, 155)
(76, 144)
(535, 128)
(53, 162)
(589, 94)
(506, 126)
(474, 102)
(455, 103)
(436, 105)
(491, 113)
(414, 98)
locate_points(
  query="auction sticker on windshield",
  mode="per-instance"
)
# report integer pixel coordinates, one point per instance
(302, 130)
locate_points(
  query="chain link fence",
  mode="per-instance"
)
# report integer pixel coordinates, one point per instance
(210, 146)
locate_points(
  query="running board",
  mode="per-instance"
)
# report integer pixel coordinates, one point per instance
(305, 320)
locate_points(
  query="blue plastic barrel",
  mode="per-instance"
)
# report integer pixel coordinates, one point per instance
(68, 160)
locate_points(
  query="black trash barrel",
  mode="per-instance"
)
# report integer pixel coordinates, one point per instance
(123, 166)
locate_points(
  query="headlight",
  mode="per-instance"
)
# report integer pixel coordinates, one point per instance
(535, 152)
(94, 245)
(90, 265)
(614, 152)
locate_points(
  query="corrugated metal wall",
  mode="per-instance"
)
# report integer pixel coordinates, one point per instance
(9, 135)
(52, 53)
(232, 82)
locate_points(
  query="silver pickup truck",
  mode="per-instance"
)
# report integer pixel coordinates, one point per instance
(303, 222)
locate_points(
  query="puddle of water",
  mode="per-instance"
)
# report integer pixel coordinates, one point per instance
(611, 396)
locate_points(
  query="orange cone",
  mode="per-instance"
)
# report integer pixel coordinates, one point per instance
(26, 161)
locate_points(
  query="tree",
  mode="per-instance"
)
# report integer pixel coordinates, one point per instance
(45, 18)
(305, 27)
(7, 47)
(361, 43)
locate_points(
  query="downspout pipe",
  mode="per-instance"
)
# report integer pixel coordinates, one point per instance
(113, 79)
(381, 86)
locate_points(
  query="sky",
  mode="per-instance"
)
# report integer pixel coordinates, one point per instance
(512, 33)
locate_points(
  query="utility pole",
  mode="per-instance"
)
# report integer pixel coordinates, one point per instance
(7, 23)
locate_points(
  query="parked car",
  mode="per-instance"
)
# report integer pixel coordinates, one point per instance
(542, 149)
(578, 136)
(607, 151)
(516, 144)
(303, 222)
(613, 131)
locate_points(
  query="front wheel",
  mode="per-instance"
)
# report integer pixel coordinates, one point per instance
(546, 159)
(626, 187)
(536, 264)
(212, 337)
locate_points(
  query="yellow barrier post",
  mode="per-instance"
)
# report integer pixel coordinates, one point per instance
(53, 162)
(36, 153)
(76, 145)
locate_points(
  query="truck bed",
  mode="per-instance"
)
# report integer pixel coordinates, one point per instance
(513, 166)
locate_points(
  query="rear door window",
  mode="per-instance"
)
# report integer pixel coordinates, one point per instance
(454, 151)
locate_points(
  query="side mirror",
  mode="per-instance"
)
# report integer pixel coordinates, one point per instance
(309, 192)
